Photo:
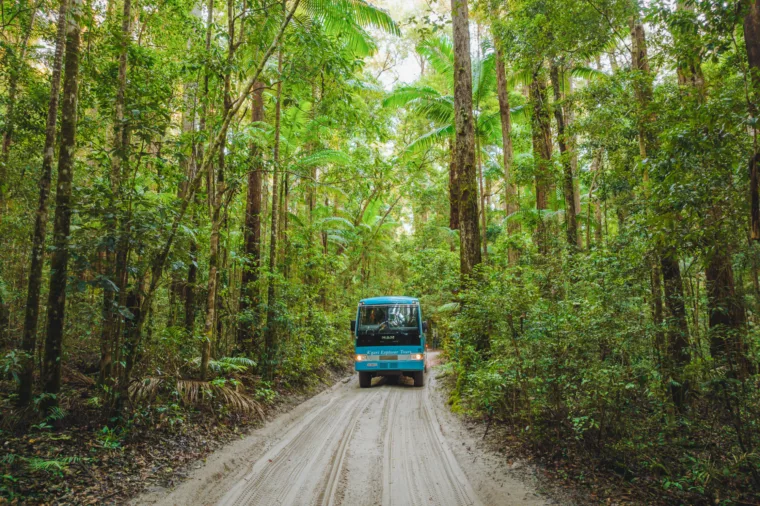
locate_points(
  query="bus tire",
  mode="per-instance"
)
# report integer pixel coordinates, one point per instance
(365, 379)
(419, 378)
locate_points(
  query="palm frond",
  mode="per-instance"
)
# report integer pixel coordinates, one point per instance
(438, 110)
(520, 78)
(439, 52)
(483, 77)
(349, 19)
(587, 73)
(324, 157)
(430, 139)
(403, 95)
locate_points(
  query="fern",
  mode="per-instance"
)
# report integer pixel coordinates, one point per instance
(54, 465)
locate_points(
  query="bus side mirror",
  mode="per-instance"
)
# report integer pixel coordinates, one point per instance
(353, 325)
(425, 326)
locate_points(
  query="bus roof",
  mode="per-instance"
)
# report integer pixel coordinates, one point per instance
(391, 299)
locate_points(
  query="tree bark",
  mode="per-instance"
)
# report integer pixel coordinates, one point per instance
(31, 315)
(469, 236)
(248, 334)
(510, 191)
(571, 222)
(62, 223)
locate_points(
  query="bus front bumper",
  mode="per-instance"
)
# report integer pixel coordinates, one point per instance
(389, 367)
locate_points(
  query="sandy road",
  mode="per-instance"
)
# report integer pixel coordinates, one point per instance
(388, 445)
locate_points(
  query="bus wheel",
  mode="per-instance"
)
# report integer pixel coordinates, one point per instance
(365, 379)
(419, 378)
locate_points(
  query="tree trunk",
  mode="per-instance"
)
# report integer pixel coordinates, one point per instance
(248, 334)
(542, 151)
(483, 202)
(571, 222)
(208, 327)
(270, 334)
(752, 44)
(510, 191)
(31, 316)
(727, 316)
(677, 326)
(116, 262)
(648, 145)
(213, 265)
(62, 223)
(453, 188)
(469, 236)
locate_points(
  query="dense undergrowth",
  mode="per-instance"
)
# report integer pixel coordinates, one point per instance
(573, 371)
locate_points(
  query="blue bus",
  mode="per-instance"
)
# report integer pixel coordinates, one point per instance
(390, 340)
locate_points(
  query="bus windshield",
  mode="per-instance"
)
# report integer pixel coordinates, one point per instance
(396, 324)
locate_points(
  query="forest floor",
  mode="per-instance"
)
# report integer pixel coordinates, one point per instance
(390, 444)
(81, 462)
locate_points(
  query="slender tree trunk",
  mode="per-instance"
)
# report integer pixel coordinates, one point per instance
(542, 151)
(213, 266)
(31, 316)
(571, 222)
(453, 188)
(593, 201)
(510, 191)
(483, 202)
(116, 262)
(51, 373)
(208, 327)
(192, 279)
(271, 330)
(248, 334)
(469, 230)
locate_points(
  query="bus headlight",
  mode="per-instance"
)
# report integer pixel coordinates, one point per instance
(418, 356)
(361, 358)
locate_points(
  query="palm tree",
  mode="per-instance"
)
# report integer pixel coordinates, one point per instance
(435, 103)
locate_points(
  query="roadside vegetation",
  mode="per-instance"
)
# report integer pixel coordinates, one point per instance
(195, 194)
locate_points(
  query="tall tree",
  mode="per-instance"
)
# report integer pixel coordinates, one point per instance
(249, 294)
(59, 262)
(678, 354)
(511, 204)
(116, 256)
(271, 325)
(557, 78)
(32, 313)
(542, 149)
(464, 147)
